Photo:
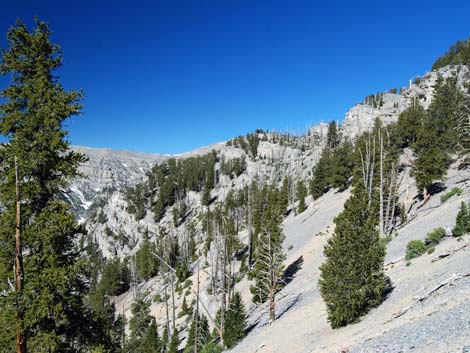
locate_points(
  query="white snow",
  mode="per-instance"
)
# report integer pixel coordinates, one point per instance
(85, 204)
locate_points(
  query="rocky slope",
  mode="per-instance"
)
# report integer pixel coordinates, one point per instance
(438, 323)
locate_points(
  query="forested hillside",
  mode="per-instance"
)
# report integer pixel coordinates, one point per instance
(267, 242)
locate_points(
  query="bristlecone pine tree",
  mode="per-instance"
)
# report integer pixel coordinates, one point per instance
(269, 256)
(33, 110)
(352, 278)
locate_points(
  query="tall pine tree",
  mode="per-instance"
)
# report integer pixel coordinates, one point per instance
(34, 108)
(352, 277)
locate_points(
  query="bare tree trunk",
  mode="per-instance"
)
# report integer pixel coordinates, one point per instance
(272, 307)
(173, 301)
(381, 186)
(167, 311)
(21, 343)
(196, 331)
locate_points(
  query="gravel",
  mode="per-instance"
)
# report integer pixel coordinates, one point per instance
(443, 331)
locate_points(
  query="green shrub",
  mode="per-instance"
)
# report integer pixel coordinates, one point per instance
(435, 236)
(448, 195)
(431, 250)
(414, 249)
(158, 298)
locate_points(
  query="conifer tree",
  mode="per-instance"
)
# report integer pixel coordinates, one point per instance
(235, 322)
(174, 342)
(409, 124)
(301, 194)
(352, 277)
(32, 113)
(147, 263)
(269, 256)
(341, 166)
(203, 334)
(462, 222)
(140, 320)
(151, 342)
(211, 347)
(431, 160)
(321, 175)
(332, 137)
(442, 114)
(206, 197)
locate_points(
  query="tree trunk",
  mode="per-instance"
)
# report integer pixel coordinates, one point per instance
(196, 328)
(21, 344)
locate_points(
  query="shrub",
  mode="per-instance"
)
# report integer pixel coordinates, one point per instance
(435, 236)
(448, 195)
(414, 249)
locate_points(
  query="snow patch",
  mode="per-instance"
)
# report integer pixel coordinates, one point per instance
(85, 204)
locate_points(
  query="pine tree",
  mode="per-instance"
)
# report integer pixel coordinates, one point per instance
(332, 136)
(140, 320)
(269, 256)
(206, 197)
(211, 347)
(174, 342)
(352, 278)
(431, 160)
(235, 322)
(341, 166)
(321, 175)
(151, 342)
(442, 114)
(147, 263)
(203, 334)
(301, 194)
(409, 124)
(33, 110)
(462, 222)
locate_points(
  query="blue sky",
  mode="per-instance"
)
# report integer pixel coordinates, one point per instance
(170, 76)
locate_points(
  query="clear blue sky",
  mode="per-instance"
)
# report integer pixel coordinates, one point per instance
(169, 76)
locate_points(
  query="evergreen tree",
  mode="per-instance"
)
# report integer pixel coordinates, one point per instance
(462, 222)
(211, 347)
(442, 114)
(321, 175)
(235, 322)
(431, 160)
(174, 342)
(332, 137)
(301, 194)
(140, 320)
(284, 195)
(352, 277)
(55, 317)
(151, 343)
(409, 124)
(203, 334)
(147, 263)
(341, 166)
(206, 197)
(269, 256)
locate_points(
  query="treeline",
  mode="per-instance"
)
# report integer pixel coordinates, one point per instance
(458, 54)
